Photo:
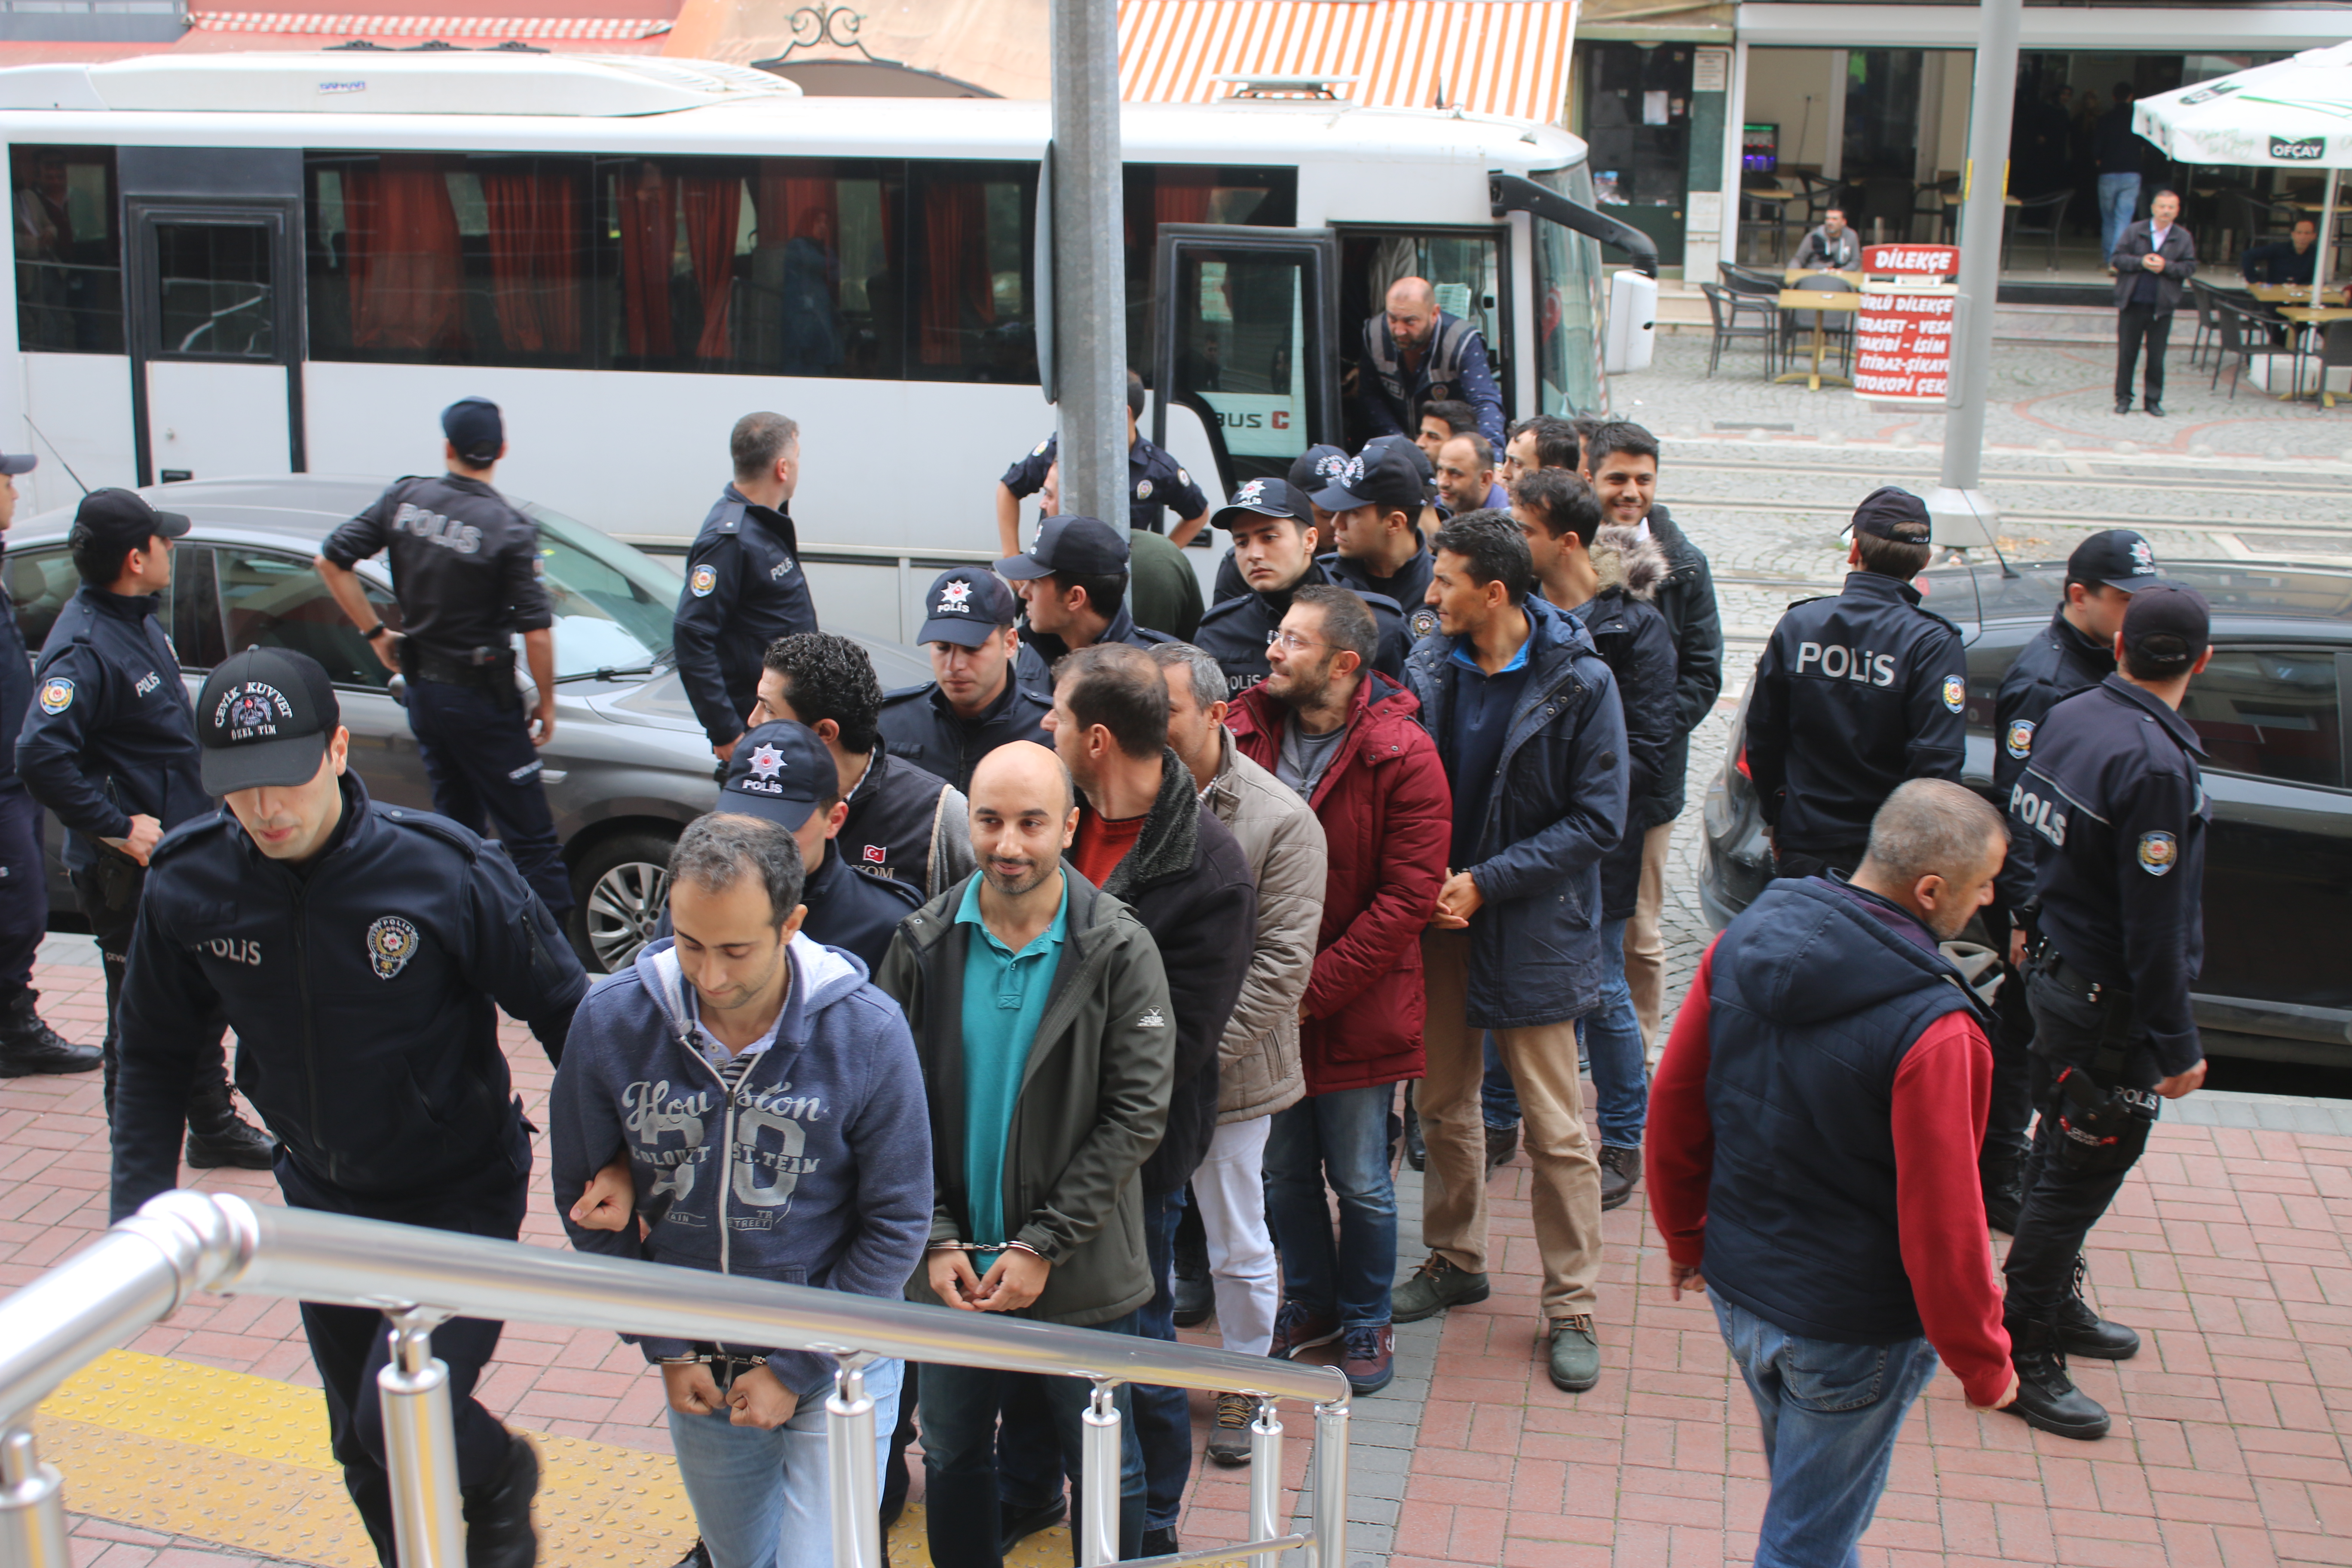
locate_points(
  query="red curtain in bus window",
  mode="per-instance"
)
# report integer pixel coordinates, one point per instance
(535, 260)
(955, 268)
(648, 219)
(714, 207)
(796, 205)
(1181, 195)
(405, 267)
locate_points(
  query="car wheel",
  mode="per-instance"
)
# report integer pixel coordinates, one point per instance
(619, 889)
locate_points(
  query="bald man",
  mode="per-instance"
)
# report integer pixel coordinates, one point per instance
(1416, 354)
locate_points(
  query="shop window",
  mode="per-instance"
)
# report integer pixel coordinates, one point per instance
(69, 250)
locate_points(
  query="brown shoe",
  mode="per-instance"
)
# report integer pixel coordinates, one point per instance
(1620, 1172)
(1502, 1144)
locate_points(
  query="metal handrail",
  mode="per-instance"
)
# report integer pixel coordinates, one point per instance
(143, 1269)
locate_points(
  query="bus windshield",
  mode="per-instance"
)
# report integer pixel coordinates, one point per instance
(1567, 306)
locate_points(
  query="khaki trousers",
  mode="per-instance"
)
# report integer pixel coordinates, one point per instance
(1551, 1104)
(1646, 942)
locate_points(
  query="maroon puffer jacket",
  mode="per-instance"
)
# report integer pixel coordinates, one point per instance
(1388, 818)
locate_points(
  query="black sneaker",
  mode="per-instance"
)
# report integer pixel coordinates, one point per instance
(1015, 1525)
(696, 1556)
(1160, 1542)
(1229, 1439)
(1620, 1173)
(2046, 1397)
(2082, 1332)
(1435, 1286)
(499, 1532)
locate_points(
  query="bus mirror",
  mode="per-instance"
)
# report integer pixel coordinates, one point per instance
(1515, 193)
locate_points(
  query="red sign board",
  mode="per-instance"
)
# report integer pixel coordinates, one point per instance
(1907, 260)
(1903, 342)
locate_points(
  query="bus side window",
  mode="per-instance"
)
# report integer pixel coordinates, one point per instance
(69, 250)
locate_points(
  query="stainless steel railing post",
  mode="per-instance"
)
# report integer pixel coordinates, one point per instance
(1266, 1481)
(1330, 1486)
(32, 1506)
(420, 1444)
(1098, 1480)
(850, 1470)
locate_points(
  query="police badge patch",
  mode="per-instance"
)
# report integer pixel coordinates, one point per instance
(1143, 489)
(2157, 853)
(1423, 622)
(2020, 740)
(705, 578)
(390, 944)
(1956, 693)
(57, 695)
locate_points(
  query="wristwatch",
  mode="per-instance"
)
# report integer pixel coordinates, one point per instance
(375, 631)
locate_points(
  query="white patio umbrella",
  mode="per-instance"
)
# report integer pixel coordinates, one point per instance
(2295, 114)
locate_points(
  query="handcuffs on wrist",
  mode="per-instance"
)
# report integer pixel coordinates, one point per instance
(725, 1365)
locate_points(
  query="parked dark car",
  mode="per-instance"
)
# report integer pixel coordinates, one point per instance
(2271, 709)
(628, 766)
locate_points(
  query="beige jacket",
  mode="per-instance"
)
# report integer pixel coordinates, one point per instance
(1258, 1072)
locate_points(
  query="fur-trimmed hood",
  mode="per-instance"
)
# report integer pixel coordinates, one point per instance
(1626, 560)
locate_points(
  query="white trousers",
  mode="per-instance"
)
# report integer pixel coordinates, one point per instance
(1230, 1186)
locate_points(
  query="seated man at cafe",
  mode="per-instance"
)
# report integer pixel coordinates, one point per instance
(2290, 260)
(1832, 246)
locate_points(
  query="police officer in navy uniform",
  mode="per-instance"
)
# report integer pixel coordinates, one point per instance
(2076, 651)
(1073, 582)
(364, 953)
(1273, 541)
(972, 705)
(1378, 546)
(27, 1045)
(110, 746)
(744, 586)
(1154, 484)
(2115, 797)
(465, 569)
(1855, 694)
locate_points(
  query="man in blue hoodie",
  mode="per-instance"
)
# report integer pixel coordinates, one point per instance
(769, 1105)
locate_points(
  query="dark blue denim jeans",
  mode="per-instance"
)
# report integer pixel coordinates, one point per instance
(1163, 1416)
(1611, 1037)
(1830, 1412)
(1341, 1138)
(1498, 1097)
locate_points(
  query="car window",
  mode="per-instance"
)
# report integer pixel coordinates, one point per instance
(2272, 712)
(269, 600)
(613, 605)
(40, 581)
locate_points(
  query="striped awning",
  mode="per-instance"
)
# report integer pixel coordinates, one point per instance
(342, 25)
(1493, 56)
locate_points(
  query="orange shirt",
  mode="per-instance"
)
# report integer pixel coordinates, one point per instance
(1102, 844)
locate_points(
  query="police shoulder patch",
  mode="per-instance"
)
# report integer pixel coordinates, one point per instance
(1182, 478)
(704, 580)
(1039, 449)
(1956, 693)
(1423, 622)
(57, 695)
(2018, 741)
(1143, 489)
(392, 941)
(2159, 852)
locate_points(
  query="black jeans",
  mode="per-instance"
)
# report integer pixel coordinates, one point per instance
(2136, 325)
(2012, 1110)
(2062, 1205)
(108, 891)
(476, 748)
(351, 1344)
(24, 887)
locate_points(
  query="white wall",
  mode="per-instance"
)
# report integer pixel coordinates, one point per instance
(1778, 83)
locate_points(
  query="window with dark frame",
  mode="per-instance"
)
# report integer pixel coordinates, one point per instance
(68, 250)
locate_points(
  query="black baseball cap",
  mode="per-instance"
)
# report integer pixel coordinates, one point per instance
(1316, 467)
(477, 428)
(1413, 454)
(123, 517)
(1265, 498)
(1890, 506)
(17, 465)
(1081, 546)
(2116, 558)
(779, 770)
(2170, 626)
(263, 720)
(967, 605)
(1382, 476)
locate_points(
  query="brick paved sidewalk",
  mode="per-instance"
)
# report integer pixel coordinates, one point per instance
(2227, 1251)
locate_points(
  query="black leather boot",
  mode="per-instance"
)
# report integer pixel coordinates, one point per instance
(1195, 1292)
(2046, 1397)
(499, 1532)
(2082, 1331)
(1416, 1152)
(218, 1136)
(28, 1046)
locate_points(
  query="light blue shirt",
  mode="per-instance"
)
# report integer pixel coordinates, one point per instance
(1003, 999)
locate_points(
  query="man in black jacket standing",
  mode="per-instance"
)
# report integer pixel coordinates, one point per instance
(1143, 838)
(1274, 534)
(2153, 263)
(972, 705)
(358, 951)
(1620, 463)
(1855, 694)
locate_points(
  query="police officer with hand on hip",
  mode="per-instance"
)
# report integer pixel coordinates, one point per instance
(466, 568)
(744, 587)
(110, 746)
(2115, 799)
(363, 954)
(2074, 653)
(1854, 695)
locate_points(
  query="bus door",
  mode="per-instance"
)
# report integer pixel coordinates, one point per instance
(216, 324)
(1247, 324)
